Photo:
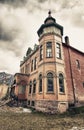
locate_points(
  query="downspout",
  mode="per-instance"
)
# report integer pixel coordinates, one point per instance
(67, 43)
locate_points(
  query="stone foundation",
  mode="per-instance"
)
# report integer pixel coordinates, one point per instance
(51, 106)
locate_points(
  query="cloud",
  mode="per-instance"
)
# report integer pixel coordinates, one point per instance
(8, 34)
(77, 18)
(13, 29)
(9, 61)
(14, 3)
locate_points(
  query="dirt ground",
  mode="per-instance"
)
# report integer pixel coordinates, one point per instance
(14, 119)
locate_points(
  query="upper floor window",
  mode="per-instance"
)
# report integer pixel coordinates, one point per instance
(50, 82)
(34, 86)
(61, 83)
(78, 64)
(22, 70)
(32, 65)
(41, 52)
(58, 51)
(49, 49)
(27, 69)
(40, 83)
(30, 87)
(35, 63)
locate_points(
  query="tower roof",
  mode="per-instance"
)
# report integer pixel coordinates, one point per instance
(49, 19)
(49, 22)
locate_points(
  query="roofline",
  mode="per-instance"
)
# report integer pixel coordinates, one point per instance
(21, 74)
(48, 25)
(49, 18)
(29, 56)
(68, 46)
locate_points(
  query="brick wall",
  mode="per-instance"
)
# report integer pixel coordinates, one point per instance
(74, 75)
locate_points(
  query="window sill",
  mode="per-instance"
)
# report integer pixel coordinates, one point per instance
(49, 57)
(62, 93)
(50, 92)
(34, 93)
(40, 92)
(59, 58)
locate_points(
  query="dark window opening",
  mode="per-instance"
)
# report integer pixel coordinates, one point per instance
(33, 103)
(40, 83)
(83, 84)
(34, 86)
(28, 102)
(78, 64)
(14, 82)
(32, 65)
(35, 63)
(30, 87)
(71, 105)
(41, 53)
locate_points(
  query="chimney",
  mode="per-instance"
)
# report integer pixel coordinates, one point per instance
(66, 40)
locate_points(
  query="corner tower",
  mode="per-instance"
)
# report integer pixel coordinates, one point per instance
(51, 66)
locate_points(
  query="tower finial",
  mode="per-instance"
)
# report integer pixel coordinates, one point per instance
(49, 13)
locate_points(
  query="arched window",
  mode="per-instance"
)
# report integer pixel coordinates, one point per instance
(34, 86)
(30, 87)
(40, 83)
(50, 82)
(61, 83)
(78, 64)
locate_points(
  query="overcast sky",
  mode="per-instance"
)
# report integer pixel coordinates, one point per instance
(20, 20)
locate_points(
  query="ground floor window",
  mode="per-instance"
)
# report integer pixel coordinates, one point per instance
(28, 102)
(34, 86)
(61, 83)
(33, 103)
(50, 82)
(40, 83)
(30, 87)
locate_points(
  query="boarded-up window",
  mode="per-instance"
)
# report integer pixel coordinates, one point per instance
(22, 89)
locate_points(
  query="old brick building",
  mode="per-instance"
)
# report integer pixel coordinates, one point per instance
(54, 71)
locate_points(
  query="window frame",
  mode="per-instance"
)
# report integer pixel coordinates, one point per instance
(40, 83)
(41, 53)
(32, 62)
(83, 84)
(48, 84)
(58, 51)
(49, 53)
(35, 63)
(61, 83)
(77, 64)
(34, 86)
(30, 87)
(32, 103)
